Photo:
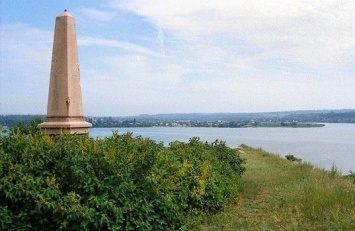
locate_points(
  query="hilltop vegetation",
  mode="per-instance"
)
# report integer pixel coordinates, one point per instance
(122, 182)
(118, 183)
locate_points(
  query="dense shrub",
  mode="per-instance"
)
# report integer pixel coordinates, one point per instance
(351, 176)
(292, 158)
(120, 182)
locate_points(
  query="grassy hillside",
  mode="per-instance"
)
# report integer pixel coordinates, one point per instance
(278, 194)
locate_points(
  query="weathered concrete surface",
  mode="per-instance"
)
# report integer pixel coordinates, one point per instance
(65, 109)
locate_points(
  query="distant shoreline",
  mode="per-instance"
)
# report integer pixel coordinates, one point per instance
(309, 118)
(221, 125)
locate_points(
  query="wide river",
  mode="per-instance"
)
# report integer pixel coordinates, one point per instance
(322, 146)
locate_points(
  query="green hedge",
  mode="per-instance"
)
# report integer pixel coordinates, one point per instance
(117, 183)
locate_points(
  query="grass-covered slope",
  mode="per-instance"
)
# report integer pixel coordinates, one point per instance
(278, 194)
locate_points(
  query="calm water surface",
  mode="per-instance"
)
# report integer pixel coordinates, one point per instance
(324, 146)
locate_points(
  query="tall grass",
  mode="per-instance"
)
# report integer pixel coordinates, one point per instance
(278, 194)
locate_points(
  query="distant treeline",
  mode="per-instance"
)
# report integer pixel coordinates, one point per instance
(331, 117)
(228, 119)
(13, 120)
(315, 116)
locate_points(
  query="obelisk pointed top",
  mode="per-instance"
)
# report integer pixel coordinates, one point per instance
(65, 13)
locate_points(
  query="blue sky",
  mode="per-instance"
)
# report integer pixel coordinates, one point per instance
(168, 56)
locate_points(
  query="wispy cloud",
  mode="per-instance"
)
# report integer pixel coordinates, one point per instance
(128, 82)
(161, 41)
(25, 59)
(93, 41)
(97, 15)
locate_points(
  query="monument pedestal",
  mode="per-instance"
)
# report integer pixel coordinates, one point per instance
(55, 126)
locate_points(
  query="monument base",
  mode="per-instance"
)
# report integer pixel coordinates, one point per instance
(67, 125)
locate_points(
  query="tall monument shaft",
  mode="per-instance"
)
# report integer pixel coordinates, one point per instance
(64, 109)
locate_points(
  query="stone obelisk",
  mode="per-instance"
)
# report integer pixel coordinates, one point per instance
(65, 109)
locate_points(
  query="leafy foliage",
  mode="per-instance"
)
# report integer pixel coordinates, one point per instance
(351, 176)
(292, 158)
(120, 182)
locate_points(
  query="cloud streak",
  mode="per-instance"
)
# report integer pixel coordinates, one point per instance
(97, 15)
(93, 41)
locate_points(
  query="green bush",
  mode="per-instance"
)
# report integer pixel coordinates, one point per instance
(351, 176)
(292, 158)
(120, 182)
